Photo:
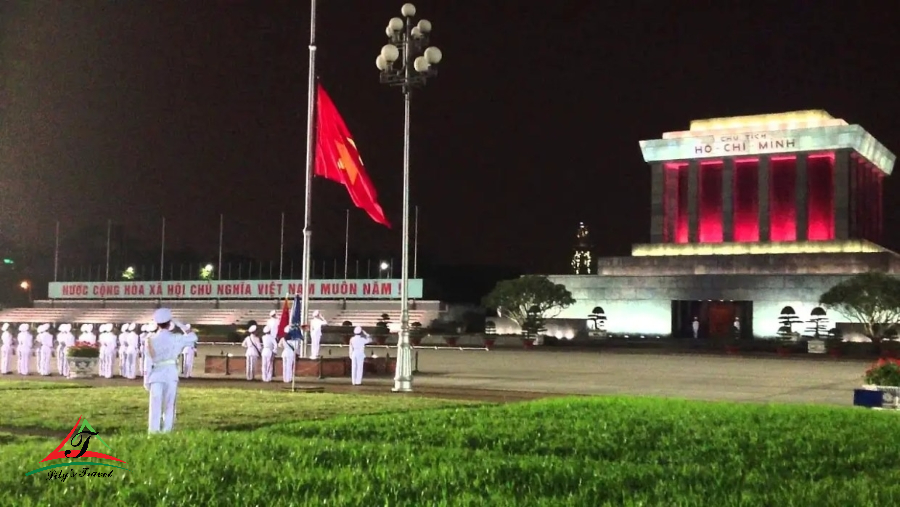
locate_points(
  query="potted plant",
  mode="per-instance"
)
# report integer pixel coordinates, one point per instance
(490, 333)
(346, 331)
(381, 332)
(532, 326)
(783, 345)
(834, 343)
(416, 333)
(884, 376)
(83, 359)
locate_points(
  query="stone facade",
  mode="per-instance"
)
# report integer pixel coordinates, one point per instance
(636, 293)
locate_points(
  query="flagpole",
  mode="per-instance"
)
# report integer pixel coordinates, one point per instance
(162, 251)
(346, 243)
(281, 251)
(108, 234)
(221, 236)
(416, 245)
(56, 255)
(310, 162)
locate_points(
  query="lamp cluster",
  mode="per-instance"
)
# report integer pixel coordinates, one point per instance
(407, 59)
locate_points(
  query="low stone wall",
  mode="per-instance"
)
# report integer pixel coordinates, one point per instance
(318, 368)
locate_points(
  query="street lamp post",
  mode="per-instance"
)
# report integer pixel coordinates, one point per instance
(26, 286)
(406, 61)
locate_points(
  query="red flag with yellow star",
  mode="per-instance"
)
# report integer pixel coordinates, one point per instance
(338, 160)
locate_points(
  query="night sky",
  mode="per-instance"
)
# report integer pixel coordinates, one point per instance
(137, 110)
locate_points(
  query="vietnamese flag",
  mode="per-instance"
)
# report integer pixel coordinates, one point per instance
(285, 319)
(337, 158)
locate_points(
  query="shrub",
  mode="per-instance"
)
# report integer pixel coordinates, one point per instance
(82, 349)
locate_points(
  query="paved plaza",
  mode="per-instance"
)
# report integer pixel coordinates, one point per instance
(703, 377)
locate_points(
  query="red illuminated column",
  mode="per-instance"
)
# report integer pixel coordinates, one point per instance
(782, 195)
(820, 200)
(711, 197)
(728, 201)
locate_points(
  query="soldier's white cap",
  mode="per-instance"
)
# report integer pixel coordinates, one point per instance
(273, 313)
(151, 327)
(42, 328)
(357, 330)
(23, 327)
(132, 326)
(162, 315)
(267, 329)
(110, 327)
(143, 328)
(251, 329)
(65, 328)
(187, 327)
(5, 326)
(315, 313)
(88, 328)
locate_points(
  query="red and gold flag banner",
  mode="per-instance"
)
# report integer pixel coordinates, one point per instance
(337, 158)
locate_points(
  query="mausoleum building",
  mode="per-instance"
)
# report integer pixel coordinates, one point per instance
(748, 215)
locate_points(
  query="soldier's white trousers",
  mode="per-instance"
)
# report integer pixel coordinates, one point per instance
(65, 363)
(315, 344)
(107, 361)
(60, 359)
(268, 364)
(162, 406)
(24, 360)
(287, 367)
(45, 356)
(356, 369)
(187, 363)
(5, 353)
(251, 366)
(129, 365)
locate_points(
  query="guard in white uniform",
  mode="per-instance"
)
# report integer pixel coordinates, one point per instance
(120, 348)
(358, 354)
(130, 353)
(145, 365)
(45, 352)
(315, 331)
(253, 346)
(273, 322)
(142, 342)
(67, 339)
(87, 336)
(6, 349)
(289, 346)
(268, 353)
(107, 350)
(189, 352)
(25, 342)
(162, 381)
(60, 346)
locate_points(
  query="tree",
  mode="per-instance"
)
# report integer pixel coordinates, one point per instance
(513, 298)
(870, 299)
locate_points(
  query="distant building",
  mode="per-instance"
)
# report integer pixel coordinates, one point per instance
(581, 257)
(749, 215)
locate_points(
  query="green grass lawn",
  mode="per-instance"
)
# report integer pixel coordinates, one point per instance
(401, 451)
(57, 405)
